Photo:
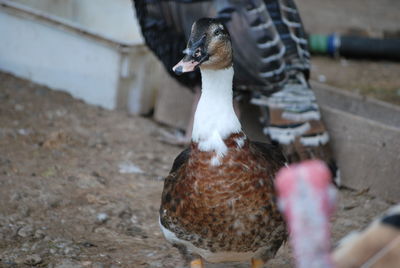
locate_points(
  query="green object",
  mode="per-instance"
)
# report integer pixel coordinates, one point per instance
(318, 43)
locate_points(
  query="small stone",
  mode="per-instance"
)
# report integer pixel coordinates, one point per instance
(39, 234)
(19, 107)
(50, 200)
(24, 210)
(55, 140)
(129, 168)
(68, 250)
(86, 181)
(99, 177)
(25, 231)
(87, 263)
(349, 207)
(102, 217)
(17, 196)
(97, 141)
(344, 62)
(34, 259)
(60, 243)
(135, 231)
(87, 244)
(322, 78)
(9, 263)
(25, 247)
(34, 247)
(124, 212)
(23, 131)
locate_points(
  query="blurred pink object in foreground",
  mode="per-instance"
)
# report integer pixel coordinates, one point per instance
(307, 200)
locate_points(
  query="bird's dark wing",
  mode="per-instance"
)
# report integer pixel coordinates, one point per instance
(287, 21)
(258, 49)
(180, 160)
(171, 180)
(293, 116)
(267, 35)
(293, 120)
(271, 152)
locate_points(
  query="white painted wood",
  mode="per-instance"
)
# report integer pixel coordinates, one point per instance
(113, 19)
(59, 59)
(61, 45)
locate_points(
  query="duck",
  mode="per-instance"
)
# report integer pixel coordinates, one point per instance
(307, 199)
(218, 202)
(271, 64)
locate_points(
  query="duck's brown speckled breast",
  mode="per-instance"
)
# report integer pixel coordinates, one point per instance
(228, 207)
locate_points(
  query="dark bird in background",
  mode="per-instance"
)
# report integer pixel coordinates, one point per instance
(271, 62)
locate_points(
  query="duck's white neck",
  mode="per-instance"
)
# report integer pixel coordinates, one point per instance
(215, 118)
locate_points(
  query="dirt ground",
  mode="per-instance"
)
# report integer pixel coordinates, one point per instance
(80, 186)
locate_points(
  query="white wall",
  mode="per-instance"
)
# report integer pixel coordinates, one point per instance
(111, 18)
(114, 18)
(60, 59)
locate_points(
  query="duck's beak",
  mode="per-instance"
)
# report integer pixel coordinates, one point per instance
(195, 55)
(185, 66)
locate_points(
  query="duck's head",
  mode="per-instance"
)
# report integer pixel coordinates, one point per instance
(209, 47)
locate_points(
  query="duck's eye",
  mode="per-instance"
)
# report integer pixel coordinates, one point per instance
(217, 32)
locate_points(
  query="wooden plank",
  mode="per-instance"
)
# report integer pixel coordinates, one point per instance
(368, 152)
(343, 100)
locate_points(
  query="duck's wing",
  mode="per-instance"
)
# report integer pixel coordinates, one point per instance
(173, 176)
(272, 153)
(180, 160)
(171, 180)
